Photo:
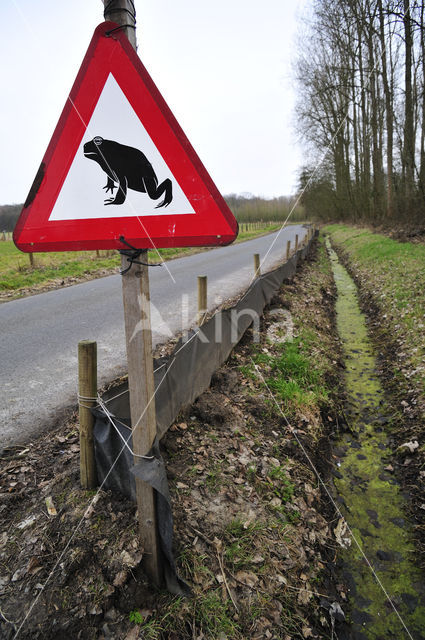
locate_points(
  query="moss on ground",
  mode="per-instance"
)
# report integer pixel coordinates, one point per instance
(374, 502)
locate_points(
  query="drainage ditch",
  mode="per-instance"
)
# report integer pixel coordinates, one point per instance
(386, 589)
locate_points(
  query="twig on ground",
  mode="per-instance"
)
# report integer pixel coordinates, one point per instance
(220, 562)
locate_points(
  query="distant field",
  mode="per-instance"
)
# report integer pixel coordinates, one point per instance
(17, 275)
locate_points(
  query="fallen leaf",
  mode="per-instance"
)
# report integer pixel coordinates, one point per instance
(133, 634)
(275, 502)
(120, 578)
(34, 565)
(131, 560)
(18, 574)
(257, 559)
(249, 518)
(28, 522)
(247, 577)
(218, 544)
(95, 611)
(51, 509)
(408, 447)
(304, 597)
(341, 534)
(336, 612)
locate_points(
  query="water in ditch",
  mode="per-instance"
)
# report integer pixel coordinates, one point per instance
(387, 590)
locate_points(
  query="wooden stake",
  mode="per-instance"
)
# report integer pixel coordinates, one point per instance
(87, 390)
(257, 271)
(296, 243)
(202, 299)
(138, 333)
(31, 257)
(137, 319)
(288, 250)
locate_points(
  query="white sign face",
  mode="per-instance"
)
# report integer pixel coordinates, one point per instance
(117, 170)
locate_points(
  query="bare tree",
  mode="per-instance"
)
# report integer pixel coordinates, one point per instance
(361, 80)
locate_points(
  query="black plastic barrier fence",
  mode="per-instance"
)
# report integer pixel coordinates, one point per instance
(180, 378)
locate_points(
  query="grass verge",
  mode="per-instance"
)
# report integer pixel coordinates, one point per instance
(54, 269)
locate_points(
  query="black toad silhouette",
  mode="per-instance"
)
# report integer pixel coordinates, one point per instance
(130, 168)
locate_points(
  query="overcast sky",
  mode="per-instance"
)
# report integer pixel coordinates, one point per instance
(223, 67)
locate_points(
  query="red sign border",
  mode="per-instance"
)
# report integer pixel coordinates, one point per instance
(50, 237)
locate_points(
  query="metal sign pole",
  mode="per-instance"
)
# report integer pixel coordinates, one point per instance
(136, 300)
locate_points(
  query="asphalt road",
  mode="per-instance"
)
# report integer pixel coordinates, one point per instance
(40, 334)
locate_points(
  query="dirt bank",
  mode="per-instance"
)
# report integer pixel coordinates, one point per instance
(254, 534)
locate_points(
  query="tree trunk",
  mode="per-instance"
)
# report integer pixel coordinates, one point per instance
(408, 142)
(422, 144)
(388, 113)
(376, 159)
(365, 176)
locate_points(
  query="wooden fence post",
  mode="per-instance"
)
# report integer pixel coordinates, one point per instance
(202, 299)
(296, 242)
(87, 391)
(138, 334)
(288, 250)
(257, 271)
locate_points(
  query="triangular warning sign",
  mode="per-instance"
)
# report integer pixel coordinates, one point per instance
(119, 166)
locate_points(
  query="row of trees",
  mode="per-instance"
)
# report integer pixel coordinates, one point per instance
(246, 208)
(250, 208)
(361, 84)
(9, 214)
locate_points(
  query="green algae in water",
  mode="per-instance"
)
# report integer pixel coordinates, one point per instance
(374, 504)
